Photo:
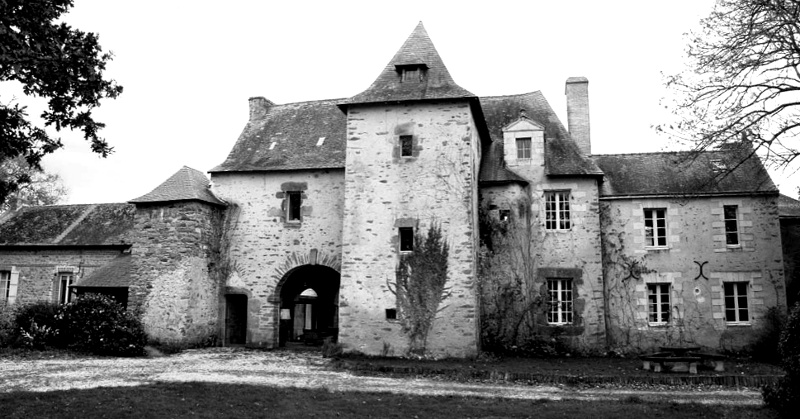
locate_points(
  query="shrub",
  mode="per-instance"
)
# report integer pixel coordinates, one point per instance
(765, 346)
(35, 325)
(784, 396)
(97, 324)
(6, 325)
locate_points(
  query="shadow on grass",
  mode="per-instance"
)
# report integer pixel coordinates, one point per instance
(233, 400)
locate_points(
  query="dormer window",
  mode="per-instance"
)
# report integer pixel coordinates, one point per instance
(523, 148)
(413, 73)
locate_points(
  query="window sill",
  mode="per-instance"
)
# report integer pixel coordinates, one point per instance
(559, 324)
(292, 224)
(658, 325)
(558, 230)
(657, 249)
(742, 324)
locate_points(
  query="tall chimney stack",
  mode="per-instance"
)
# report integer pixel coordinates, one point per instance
(259, 106)
(577, 91)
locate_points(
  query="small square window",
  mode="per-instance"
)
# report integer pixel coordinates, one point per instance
(406, 239)
(523, 148)
(391, 314)
(406, 145)
(295, 201)
(505, 215)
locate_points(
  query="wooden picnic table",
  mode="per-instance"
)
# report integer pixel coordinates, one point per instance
(683, 357)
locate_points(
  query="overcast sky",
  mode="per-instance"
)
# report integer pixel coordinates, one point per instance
(188, 68)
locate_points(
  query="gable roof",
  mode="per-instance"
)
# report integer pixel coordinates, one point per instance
(562, 156)
(116, 273)
(186, 184)
(788, 207)
(295, 130)
(69, 225)
(417, 50)
(718, 172)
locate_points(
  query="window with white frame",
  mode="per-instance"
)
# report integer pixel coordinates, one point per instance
(556, 210)
(731, 216)
(655, 227)
(523, 148)
(736, 307)
(5, 286)
(559, 298)
(658, 307)
(62, 292)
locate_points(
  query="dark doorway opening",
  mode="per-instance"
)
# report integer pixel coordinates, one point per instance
(235, 319)
(309, 311)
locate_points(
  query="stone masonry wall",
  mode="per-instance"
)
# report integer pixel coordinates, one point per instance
(384, 191)
(573, 253)
(695, 263)
(173, 284)
(38, 269)
(265, 246)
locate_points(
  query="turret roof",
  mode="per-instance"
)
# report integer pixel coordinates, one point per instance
(418, 50)
(186, 184)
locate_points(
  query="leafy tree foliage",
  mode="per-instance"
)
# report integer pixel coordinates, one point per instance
(743, 80)
(50, 60)
(35, 187)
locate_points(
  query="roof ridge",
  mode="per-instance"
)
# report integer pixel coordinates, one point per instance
(334, 101)
(512, 95)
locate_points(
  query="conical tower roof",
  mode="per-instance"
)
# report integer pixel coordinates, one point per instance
(186, 184)
(435, 82)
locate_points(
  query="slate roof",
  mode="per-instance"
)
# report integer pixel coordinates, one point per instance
(295, 130)
(562, 156)
(69, 225)
(186, 184)
(116, 273)
(788, 207)
(718, 172)
(437, 84)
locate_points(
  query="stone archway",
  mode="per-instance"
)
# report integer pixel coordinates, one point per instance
(309, 305)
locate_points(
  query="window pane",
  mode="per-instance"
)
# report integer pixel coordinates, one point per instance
(406, 239)
(406, 145)
(730, 211)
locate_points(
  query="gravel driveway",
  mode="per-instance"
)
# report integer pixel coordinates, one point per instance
(302, 370)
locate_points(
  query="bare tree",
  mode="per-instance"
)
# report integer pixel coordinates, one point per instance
(35, 186)
(743, 80)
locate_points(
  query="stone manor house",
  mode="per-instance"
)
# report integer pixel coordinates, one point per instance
(300, 232)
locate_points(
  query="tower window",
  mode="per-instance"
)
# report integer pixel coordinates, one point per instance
(293, 210)
(406, 145)
(406, 239)
(414, 73)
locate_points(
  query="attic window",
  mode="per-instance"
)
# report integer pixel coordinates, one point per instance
(412, 73)
(718, 166)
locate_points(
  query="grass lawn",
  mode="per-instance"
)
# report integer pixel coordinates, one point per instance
(222, 400)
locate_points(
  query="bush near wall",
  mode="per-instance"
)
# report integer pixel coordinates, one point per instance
(92, 323)
(97, 324)
(784, 396)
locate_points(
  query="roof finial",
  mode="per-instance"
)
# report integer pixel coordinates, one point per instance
(523, 113)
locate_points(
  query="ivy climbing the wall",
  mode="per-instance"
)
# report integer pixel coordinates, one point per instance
(420, 287)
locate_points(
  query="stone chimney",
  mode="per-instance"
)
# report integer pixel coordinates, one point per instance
(577, 91)
(259, 106)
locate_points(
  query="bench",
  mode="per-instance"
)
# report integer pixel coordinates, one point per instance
(658, 362)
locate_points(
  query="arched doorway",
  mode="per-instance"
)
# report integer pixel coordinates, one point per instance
(309, 308)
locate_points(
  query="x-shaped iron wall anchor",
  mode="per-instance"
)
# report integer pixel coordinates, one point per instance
(701, 270)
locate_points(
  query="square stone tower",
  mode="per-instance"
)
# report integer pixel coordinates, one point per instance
(413, 153)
